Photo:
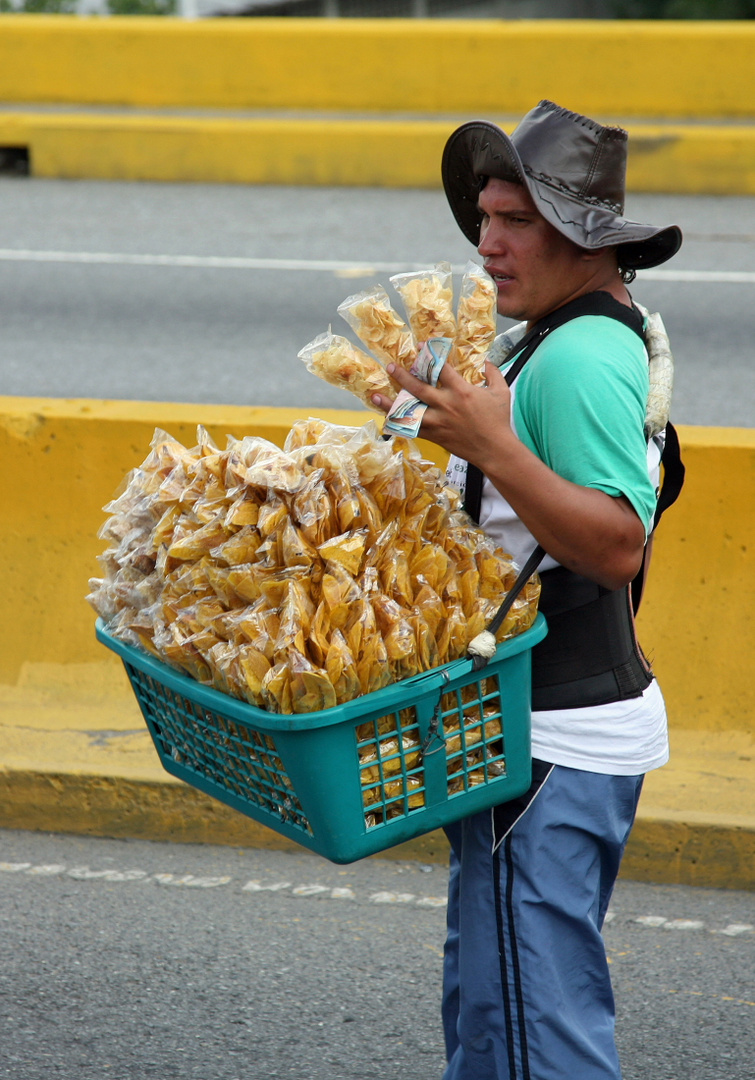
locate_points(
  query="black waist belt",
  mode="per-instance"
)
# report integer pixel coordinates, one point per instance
(590, 655)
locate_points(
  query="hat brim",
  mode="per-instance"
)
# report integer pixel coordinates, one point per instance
(479, 150)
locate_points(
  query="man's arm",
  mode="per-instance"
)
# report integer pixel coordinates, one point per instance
(584, 529)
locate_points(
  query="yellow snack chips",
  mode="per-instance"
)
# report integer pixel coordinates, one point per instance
(299, 579)
(428, 301)
(476, 324)
(341, 364)
(379, 327)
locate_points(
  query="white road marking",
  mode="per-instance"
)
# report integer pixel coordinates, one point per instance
(309, 890)
(191, 882)
(304, 891)
(254, 886)
(392, 898)
(341, 267)
(707, 277)
(126, 875)
(83, 873)
(210, 262)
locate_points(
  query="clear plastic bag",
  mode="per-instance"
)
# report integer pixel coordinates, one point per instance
(427, 296)
(379, 327)
(338, 362)
(476, 324)
(296, 578)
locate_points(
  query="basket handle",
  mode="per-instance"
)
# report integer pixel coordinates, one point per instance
(433, 731)
(482, 648)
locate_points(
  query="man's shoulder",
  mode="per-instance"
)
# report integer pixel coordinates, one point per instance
(589, 359)
(589, 340)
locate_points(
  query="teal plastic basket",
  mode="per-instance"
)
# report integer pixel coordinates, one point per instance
(356, 779)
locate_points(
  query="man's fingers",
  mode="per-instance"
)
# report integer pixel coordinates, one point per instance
(418, 389)
(450, 378)
(381, 402)
(405, 379)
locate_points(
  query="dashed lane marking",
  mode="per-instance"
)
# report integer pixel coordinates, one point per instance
(272, 886)
(189, 881)
(392, 898)
(656, 921)
(192, 881)
(83, 873)
(309, 890)
(315, 889)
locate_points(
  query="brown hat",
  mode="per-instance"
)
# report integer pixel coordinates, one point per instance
(573, 168)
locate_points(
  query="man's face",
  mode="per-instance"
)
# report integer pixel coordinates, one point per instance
(534, 267)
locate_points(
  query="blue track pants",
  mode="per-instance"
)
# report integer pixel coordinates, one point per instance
(527, 992)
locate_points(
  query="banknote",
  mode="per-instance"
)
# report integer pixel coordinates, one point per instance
(405, 416)
(430, 359)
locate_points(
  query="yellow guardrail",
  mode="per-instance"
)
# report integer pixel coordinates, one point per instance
(62, 461)
(603, 68)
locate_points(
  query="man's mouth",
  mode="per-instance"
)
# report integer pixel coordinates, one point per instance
(500, 278)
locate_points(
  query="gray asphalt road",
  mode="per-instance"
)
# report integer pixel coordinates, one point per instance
(130, 960)
(189, 323)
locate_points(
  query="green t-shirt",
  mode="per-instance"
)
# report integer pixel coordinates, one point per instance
(579, 405)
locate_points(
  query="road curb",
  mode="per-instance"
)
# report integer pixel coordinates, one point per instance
(370, 152)
(660, 850)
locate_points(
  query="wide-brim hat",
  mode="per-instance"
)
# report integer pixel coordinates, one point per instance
(575, 172)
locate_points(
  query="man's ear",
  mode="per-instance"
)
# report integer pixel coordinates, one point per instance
(594, 255)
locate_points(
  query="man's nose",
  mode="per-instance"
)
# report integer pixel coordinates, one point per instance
(492, 240)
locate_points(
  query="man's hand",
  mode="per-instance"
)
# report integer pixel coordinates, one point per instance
(584, 529)
(466, 420)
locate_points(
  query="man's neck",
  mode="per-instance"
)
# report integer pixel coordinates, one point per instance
(613, 285)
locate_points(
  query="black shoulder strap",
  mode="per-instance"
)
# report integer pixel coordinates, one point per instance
(596, 303)
(673, 473)
(671, 485)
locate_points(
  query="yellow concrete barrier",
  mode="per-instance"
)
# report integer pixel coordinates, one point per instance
(652, 69)
(62, 461)
(74, 752)
(697, 621)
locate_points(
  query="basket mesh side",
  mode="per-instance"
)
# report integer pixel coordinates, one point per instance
(472, 718)
(234, 756)
(390, 766)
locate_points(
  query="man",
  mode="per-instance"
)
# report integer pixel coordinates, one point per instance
(564, 464)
